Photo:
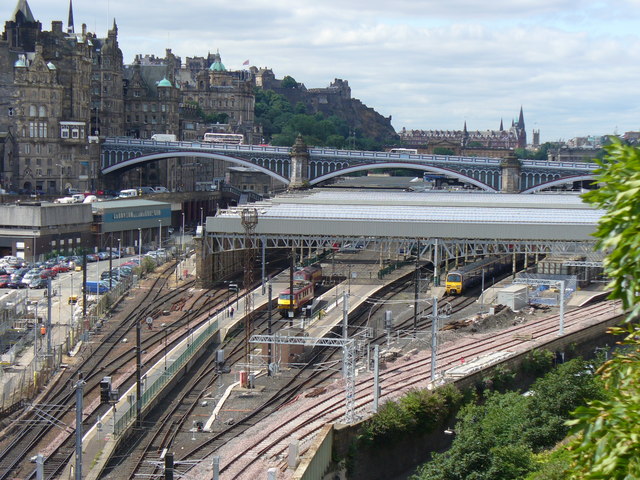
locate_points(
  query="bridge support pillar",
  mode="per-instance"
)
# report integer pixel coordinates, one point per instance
(299, 177)
(511, 168)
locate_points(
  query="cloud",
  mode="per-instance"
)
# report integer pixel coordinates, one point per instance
(572, 65)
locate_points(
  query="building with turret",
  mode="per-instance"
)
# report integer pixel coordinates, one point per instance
(465, 141)
(57, 87)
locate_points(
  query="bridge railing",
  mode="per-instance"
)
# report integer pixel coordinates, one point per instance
(195, 144)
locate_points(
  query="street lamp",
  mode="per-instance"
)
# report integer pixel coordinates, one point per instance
(140, 247)
(182, 237)
(119, 252)
(159, 233)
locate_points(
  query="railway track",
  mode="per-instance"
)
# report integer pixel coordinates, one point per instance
(57, 404)
(304, 419)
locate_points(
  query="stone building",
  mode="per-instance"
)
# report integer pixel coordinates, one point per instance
(51, 101)
(469, 142)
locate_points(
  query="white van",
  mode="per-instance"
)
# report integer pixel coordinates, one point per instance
(164, 137)
(128, 193)
(160, 189)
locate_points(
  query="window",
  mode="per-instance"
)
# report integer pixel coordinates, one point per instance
(75, 133)
(10, 111)
(64, 131)
(32, 110)
(42, 111)
(136, 93)
(62, 242)
(38, 161)
(38, 148)
(27, 148)
(49, 172)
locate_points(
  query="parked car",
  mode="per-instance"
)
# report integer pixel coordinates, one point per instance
(38, 283)
(49, 273)
(16, 284)
(4, 281)
(60, 268)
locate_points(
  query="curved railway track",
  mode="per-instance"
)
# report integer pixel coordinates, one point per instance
(305, 420)
(58, 402)
(147, 463)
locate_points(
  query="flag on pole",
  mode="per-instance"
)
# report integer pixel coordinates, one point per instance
(246, 62)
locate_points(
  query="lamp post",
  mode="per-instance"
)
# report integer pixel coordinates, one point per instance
(182, 236)
(119, 254)
(159, 233)
(140, 247)
(201, 216)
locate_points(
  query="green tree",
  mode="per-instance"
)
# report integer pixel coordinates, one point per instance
(607, 432)
(497, 439)
(442, 151)
(289, 82)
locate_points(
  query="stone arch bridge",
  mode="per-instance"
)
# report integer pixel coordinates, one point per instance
(300, 166)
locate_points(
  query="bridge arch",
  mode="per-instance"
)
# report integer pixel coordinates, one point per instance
(212, 156)
(411, 166)
(560, 181)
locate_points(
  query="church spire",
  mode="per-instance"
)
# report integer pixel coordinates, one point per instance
(22, 12)
(70, 28)
(501, 126)
(521, 119)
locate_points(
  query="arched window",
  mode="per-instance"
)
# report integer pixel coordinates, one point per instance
(42, 111)
(32, 110)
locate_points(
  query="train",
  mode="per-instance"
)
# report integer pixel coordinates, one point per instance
(312, 274)
(305, 281)
(469, 275)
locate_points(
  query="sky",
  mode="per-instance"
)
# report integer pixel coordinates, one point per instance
(572, 65)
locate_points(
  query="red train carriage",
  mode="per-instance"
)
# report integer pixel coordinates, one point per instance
(302, 294)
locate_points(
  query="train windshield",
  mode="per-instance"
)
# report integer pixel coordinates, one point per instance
(285, 296)
(454, 277)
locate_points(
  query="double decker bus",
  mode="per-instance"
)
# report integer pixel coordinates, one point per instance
(228, 138)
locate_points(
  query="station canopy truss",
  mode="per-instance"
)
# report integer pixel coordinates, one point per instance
(451, 222)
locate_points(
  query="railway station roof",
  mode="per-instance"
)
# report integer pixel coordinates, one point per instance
(469, 215)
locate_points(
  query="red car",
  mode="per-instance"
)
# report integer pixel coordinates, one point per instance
(60, 268)
(4, 281)
(48, 272)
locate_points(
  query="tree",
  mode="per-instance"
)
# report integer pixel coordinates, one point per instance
(607, 432)
(289, 82)
(498, 438)
(442, 151)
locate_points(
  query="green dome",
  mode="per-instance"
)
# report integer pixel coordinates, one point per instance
(164, 83)
(217, 66)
